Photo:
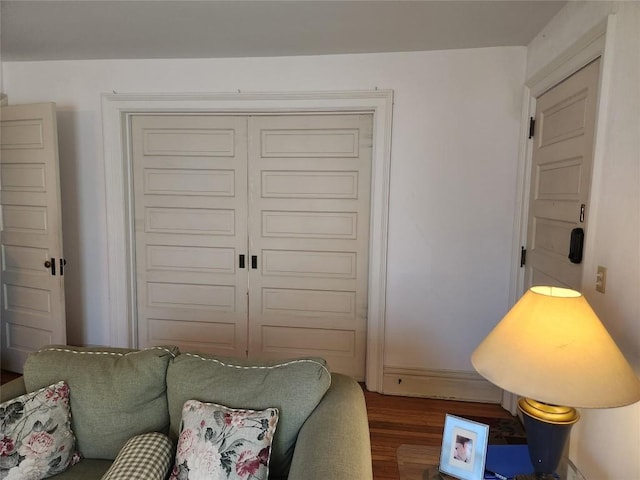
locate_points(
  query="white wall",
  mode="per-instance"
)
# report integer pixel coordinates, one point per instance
(453, 167)
(604, 443)
(1, 90)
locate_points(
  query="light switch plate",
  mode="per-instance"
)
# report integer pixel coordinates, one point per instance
(601, 279)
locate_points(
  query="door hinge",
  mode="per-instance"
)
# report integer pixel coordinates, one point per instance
(532, 126)
(523, 256)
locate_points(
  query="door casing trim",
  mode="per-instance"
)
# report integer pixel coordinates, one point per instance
(117, 109)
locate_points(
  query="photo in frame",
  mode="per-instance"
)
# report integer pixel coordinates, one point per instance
(464, 448)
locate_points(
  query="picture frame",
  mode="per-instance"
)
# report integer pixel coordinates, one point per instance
(464, 448)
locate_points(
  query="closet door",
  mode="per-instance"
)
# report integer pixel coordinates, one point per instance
(190, 199)
(309, 182)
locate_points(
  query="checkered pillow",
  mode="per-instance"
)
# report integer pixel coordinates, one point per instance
(147, 456)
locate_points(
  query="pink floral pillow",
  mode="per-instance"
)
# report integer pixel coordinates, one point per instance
(218, 442)
(36, 440)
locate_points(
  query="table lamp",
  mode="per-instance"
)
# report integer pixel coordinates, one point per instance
(552, 350)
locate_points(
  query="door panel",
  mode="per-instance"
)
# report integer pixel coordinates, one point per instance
(561, 177)
(309, 264)
(32, 298)
(189, 175)
(309, 180)
(192, 335)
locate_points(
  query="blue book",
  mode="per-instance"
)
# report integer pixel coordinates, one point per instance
(507, 461)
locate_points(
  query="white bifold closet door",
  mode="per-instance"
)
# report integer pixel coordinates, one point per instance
(190, 190)
(252, 233)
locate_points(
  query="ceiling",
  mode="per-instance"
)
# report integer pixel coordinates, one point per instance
(95, 29)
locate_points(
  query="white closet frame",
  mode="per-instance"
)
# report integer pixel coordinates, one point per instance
(117, 110)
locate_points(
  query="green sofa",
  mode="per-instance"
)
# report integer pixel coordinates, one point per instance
(115, 394)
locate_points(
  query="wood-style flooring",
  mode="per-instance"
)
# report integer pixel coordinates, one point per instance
(7, 376)
(397, 420)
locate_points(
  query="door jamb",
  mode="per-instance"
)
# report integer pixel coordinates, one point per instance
(593, 44)
(116, 112)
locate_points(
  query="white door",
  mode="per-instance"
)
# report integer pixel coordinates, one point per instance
(561, 178)
(190, 184)
(309, 182)
(32, 297)
(253, 246)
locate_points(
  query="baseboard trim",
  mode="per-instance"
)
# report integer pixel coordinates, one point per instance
(446, 384)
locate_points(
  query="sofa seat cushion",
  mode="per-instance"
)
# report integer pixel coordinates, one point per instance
(293, 387)
(115, 394)
(86, 469)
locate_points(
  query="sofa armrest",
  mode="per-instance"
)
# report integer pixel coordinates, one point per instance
(334, 441)
(12, 389)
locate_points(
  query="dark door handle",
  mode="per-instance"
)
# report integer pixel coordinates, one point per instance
(51, 264)
(575, 246)
(241, 261)
(254, 261)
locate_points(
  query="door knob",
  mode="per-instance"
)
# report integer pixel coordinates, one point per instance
(51, 264)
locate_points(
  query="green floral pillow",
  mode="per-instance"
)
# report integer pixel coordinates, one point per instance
(36, 440)
(218, 442)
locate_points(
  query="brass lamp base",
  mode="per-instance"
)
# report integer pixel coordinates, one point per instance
(548, 428)
(548, 413)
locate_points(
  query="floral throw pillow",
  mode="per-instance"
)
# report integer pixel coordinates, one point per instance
(221, 443)
(36, 440)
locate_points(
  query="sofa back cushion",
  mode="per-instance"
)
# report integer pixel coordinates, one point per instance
(114, 393)
(293, 387)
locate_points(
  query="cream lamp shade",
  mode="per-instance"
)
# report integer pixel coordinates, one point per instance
(552, 347)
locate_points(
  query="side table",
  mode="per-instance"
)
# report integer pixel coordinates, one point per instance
(420, 462)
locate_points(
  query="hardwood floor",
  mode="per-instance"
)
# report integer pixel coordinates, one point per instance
(397, 420)
(7, 376)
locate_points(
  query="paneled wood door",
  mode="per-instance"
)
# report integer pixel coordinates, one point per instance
(309, 182)
(561, 177)
(32, 298)
(251, 234)
(190, 185)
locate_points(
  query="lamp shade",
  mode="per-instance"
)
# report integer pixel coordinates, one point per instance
(552, 347)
